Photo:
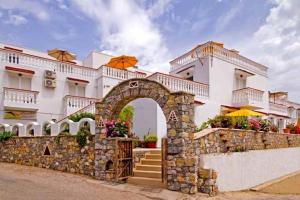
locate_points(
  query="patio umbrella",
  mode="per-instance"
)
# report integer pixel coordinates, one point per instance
(122, 62)
(61, 55)
(244, 112)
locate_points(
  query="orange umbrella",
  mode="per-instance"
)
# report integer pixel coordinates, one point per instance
(61, 55)
(122, 62)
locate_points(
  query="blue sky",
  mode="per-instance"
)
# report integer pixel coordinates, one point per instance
(158, 30)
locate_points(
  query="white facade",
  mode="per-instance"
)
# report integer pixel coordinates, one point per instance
(221, 79)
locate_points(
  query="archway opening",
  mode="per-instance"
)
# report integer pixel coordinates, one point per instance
(47, 129)
(15, 130)
(146, 121)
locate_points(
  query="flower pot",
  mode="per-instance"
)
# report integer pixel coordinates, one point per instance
(151, 144)
(286, 130)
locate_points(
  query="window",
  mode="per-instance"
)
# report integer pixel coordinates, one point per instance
(19, 81)
(76, 90)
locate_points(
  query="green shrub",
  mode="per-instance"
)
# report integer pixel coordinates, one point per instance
(150, 138)
(203, 126)
(82, 136)
(240, 122)
(265, 125)
(79, 116)
(126, 114)
(220, 121)
(61, 134)
(6, 135)
(47, 129)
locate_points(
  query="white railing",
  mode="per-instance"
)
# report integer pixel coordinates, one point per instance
(278, 108)
(19, 96)
(178, 84)
(214, 50)
(248, 97)
(120, 74)
(18, 58)
(78, 102)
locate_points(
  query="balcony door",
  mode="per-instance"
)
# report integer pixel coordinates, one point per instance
(19, 81)
(76, 89)
(240, 82)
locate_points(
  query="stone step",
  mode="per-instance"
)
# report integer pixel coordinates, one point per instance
(150, 161)
(158, 151)
(149, 182)
(148, 167)
(146, 174)
(153, 156)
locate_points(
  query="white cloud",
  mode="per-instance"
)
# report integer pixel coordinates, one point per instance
(16, 20)
(32, 7)
(126, 27)
(65, 35)
(277, 45)
(224, 20)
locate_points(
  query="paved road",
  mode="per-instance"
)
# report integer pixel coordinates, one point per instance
(290, 185)
(28, 183)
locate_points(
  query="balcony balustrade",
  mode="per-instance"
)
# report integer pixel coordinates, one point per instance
(219, 52)
(120, 74)
(76, 103)
(178, 84)
(20, 99)
(276, 108)
(248, 97)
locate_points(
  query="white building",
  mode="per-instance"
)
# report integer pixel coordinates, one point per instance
(36, 87)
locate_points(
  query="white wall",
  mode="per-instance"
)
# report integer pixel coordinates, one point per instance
(148, 117)
(244, 170)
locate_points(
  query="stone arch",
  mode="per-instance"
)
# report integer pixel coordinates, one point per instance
(178, 104)
(178, 108)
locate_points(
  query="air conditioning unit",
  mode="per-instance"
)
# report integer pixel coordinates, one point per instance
(50, 83)
(50, 74)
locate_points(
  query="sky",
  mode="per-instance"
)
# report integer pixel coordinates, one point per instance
(155, 31)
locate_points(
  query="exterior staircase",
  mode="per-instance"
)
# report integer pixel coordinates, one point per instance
(148, 171)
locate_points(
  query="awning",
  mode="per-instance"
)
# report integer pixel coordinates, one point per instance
(19, 70)
(242, 72)
(75, 80)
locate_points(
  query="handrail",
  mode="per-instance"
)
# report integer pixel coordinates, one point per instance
(43, 58)
(176, 78)
(77, 112)
(22, 90)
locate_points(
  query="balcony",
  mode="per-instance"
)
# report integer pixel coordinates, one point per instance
(279, 109)
(248, 97)
(212, 49)
(22, 59)
(175, 84)
(20, 99)
(120, 74)
(76, 103)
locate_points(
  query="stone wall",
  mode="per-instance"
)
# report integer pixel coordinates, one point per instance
(49, 152)
(233, 140)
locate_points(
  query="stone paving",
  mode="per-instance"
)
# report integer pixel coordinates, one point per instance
(19, 182)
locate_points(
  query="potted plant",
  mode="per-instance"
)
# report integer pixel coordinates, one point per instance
(150, 140)
(288, 128)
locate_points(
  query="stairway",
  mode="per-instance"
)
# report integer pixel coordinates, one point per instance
(148, 171)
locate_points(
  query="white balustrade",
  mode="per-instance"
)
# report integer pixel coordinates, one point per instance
(78, 102)
(11, 57)
(278, 108)
(120, 74)
(178, 84)
(19, 96)
(248, 97)
(217, 51)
